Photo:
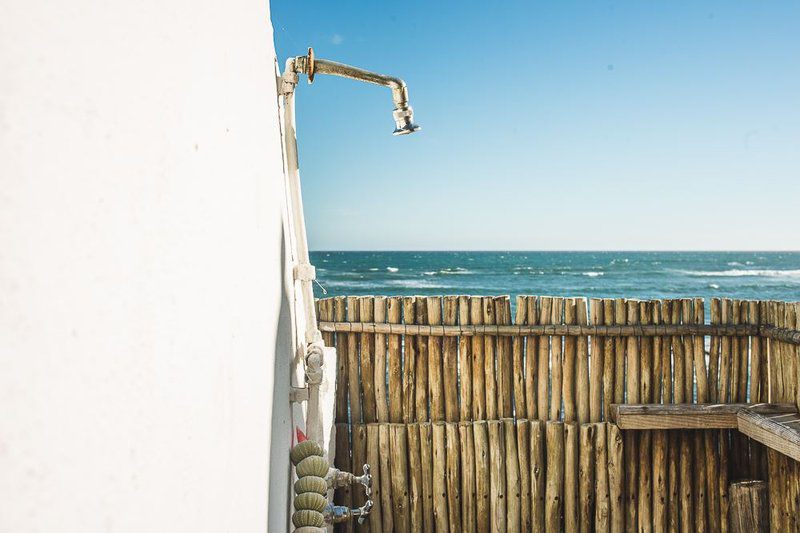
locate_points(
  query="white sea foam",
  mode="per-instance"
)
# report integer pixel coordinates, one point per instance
(593, 274)
(713, 286)
(452, 271)
(374, 269)
(738, 273)
(392, 269)
(429, 273)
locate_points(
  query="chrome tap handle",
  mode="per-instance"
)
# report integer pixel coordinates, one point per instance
(366, 480)
(363, 512)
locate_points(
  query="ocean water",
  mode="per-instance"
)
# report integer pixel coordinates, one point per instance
(743, 275)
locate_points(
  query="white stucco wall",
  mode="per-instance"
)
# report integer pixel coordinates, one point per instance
(142, 300)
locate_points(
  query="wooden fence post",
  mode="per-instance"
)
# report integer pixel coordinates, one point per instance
(749, 507)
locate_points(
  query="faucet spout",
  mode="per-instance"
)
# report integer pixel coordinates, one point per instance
(403, 113)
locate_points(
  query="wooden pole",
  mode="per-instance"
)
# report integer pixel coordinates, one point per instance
(339, 313)
(359, 443)
(543, 372)
(660, 493)
(554, 491)
(518, 350)
(620, 306)
(571, 485)
(374, 460)
(523, 459)
(513, 492)
(497, 476)
(538, 474)
(673, 486)
(426, 460)
(440, 511)
(586, 478)
(749, 507)
(399, 469)
(412, 377)
(609, 361)
(380, 370)
(450, 360)
(367, 314)
(569, 372)
(435, 382)
(489, 372)
(633, 389)
(482, 477)
(645, 465)
(415, 468)
(385, 479)
(353, 363)
(582, 365)
(464, 362)
(453, 477)
(478, 377)
(602, 505)
(420, 370)
(468, 495)
(616, 478)
(393, 311)
(556, 361)
(504, 363)
(531, 358)
(597, 363)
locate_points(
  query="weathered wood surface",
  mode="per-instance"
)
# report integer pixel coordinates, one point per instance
(689, 416)
(483, 421)
(749, 507)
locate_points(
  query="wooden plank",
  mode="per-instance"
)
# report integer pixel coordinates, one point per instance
(353, 363)
(582, 365)
(689, 416)
(780, 432)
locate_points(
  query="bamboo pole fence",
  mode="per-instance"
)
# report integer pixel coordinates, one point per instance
(474, 418)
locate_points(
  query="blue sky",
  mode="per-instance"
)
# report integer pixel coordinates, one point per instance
(558, 125)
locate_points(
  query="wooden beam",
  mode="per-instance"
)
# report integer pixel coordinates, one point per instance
(688, 416)
(780, 432)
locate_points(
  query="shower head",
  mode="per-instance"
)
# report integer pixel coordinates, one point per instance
(403, 113)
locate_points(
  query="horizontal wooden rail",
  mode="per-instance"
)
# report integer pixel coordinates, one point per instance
(655, 330)
(741, 330)
(689, 416)
(790, 336)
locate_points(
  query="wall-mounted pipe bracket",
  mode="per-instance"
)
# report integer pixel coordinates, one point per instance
(304, 272)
